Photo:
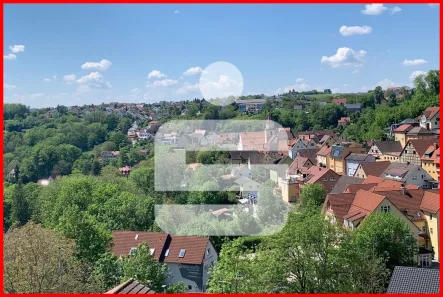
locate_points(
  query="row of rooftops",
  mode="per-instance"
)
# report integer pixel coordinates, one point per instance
(164, 247)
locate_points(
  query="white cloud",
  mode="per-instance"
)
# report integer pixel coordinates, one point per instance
(222, 87)
(135, 91)
(299, 86)
(188, 88)
(193, 71)
(9, 57)
(94, 80)
(345, 85)
(414, 62)
(415, 74)
(176, 11)
(70, 78)
(354, 30)
(299, 80)
(17, 48)
(102, 65)
(47, 80)
(8, 87)
(395, 9)
(162, 83)
(54, 77)
(345, 57)
(374, 9)
(36, 95)
(156, 74)
(386, 84)
(356, 71)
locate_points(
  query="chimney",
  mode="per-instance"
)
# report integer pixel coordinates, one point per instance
(403, 190)
(435, 145)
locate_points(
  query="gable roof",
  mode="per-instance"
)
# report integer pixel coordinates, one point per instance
(431, 111)
(403, 128)
(430, 202)
(310, 153)
(358, 157)
(340, 203)
(125, 240)
(298, 163)
(131, 286)
(194, 246)
(402, 170)
(421, 145)
(407, 280)
(343, 182)
(316, 172)
(388, 146)
(324, 151)
(374, 168)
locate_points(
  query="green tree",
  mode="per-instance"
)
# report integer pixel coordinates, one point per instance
(20, 213)
(312, 197)
(37, 260)
(390, 238)
(379, 95)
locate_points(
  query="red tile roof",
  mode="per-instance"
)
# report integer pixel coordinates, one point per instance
(430, 202)
(125, 240)
(316, 172)
(339, 100)
(324, 151)
(195, 247)
(430, 112)
(421, 145)
(131, 286)
(374, 168)
(403, 128)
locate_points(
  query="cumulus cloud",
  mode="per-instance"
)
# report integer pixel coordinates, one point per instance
(17, 48)
(354, 30)
(102, 65)
(299, 80)
(94, 80)
(9, 57)
(156, 74)
(386, 84)
(374, 9)
(188, 88)
(8, 87)
(395, 9)
(300, 85)
(414, 62)
(345, 57)
(161, 83)
(193, 71)
(222, 87)
(415, 74)
(69, 78)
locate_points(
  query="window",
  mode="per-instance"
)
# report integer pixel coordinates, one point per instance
(152, 251)
(430, 217)
(425, 260)
(182, 253)
(189, 287)
(386, 208)
(331, 187)
(324, 179)
(208, 251)
(431, 231)
(332, 179)
(167, 253)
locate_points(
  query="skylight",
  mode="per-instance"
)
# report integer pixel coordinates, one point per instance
(182, 253)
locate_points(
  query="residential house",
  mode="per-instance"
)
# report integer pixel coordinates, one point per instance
(430, 119)
(338, 154)
(344, 121)
(353, 160)
(414, 280)
(314, 134)
(415, 149)
(343, 182)
(300, 144)
(248, 188)
(406, 132)
(386, 150)
(131, 286)
(298, 166)
(189, 258)
(430, 206)
(125, 171)
(323, 156)
(408, 174)
(323, 176)
(430, 161)
(278, 171)
(250, 105)
(350, 209)
(371, 168)
(353, 107)
(339, 101)
(325, 140)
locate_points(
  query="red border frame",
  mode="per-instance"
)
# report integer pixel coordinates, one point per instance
(188, 2)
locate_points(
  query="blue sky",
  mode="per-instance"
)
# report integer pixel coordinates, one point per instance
(104, 53)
